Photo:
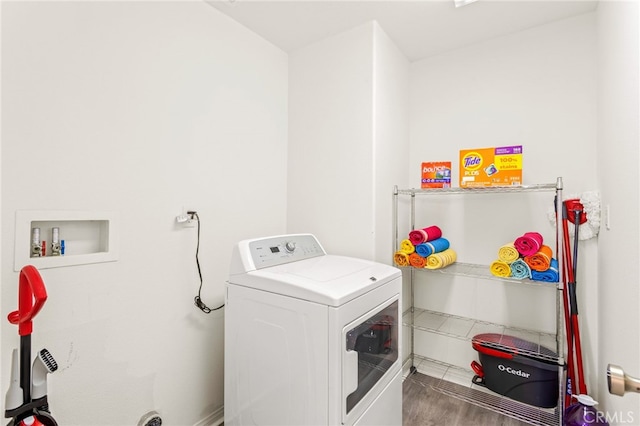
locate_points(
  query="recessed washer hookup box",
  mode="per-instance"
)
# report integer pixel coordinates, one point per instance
(496, 166)
(517, 368)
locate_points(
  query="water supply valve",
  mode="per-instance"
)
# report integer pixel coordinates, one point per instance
(36, 248)
(55, 242)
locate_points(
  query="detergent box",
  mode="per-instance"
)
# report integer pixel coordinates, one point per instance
(436, 174)
(498, 166)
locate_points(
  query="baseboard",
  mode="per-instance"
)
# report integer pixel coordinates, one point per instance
(214, 419)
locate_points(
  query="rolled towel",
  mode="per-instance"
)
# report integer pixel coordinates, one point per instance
(520, 270)
(401, 258)
(416, 237)
(417, 261)
(441, 259)
(432, 233)
(500, 269)
(540, 261)
(429, 233)
(424, 250)
(550, 275)
(431, 247)
(438, 245)
(406, 246)
(508, 253)
(528, 244)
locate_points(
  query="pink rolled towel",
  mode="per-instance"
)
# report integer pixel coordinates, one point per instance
(419, 236)
(528, 244)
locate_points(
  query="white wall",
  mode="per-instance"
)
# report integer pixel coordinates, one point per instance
(618, 158)
(535, 88)
(330, 188)
(347, 103)
(142, 109)
(391, 136)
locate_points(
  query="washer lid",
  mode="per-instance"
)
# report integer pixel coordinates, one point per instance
(329, 279)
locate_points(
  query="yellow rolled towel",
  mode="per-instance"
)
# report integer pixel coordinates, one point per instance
(450, 256)
(441, 259)
(407, 246)
(508, 253)
(500, 269)
(401, 258)
(434, 261)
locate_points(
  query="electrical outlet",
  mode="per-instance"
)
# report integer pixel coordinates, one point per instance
(187, 219)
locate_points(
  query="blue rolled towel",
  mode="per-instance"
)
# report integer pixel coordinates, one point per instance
(520, 270)
(438, 245)
(434, 246)
(424, 249)
(550, 275)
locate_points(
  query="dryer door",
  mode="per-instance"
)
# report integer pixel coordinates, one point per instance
(370, 350)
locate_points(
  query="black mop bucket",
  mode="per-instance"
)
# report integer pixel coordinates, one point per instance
(517, 369)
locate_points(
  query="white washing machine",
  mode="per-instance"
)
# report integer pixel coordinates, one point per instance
(311, 338)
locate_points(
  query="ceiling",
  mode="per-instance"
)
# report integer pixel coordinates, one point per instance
(420, 28)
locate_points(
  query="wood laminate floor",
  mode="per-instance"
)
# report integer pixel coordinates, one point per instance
(423, 406)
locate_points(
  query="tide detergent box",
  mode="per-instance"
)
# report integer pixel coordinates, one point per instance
(501, 166)
(436, 174)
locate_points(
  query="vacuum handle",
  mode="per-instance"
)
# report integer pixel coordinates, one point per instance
(31, 297)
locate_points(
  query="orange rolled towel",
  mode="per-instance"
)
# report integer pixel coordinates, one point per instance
(417, 261)
(401, 258)
(540, 261)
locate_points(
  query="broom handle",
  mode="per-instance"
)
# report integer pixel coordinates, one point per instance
(568, 272)
(576, 225)
(582, 386)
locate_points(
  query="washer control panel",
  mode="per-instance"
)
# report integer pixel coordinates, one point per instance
(272, 251)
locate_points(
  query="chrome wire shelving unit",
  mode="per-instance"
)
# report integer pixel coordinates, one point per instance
(423, 320)
(484, 190)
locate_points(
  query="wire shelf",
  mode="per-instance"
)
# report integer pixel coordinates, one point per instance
(471, 270)
(481, 396)
(453, 326)
(483, 190)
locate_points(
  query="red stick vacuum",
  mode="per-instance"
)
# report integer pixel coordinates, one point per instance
(24, 410)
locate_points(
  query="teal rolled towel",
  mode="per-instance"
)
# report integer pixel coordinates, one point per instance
(520, 270)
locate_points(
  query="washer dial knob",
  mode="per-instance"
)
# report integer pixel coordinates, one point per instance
(289, 246)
